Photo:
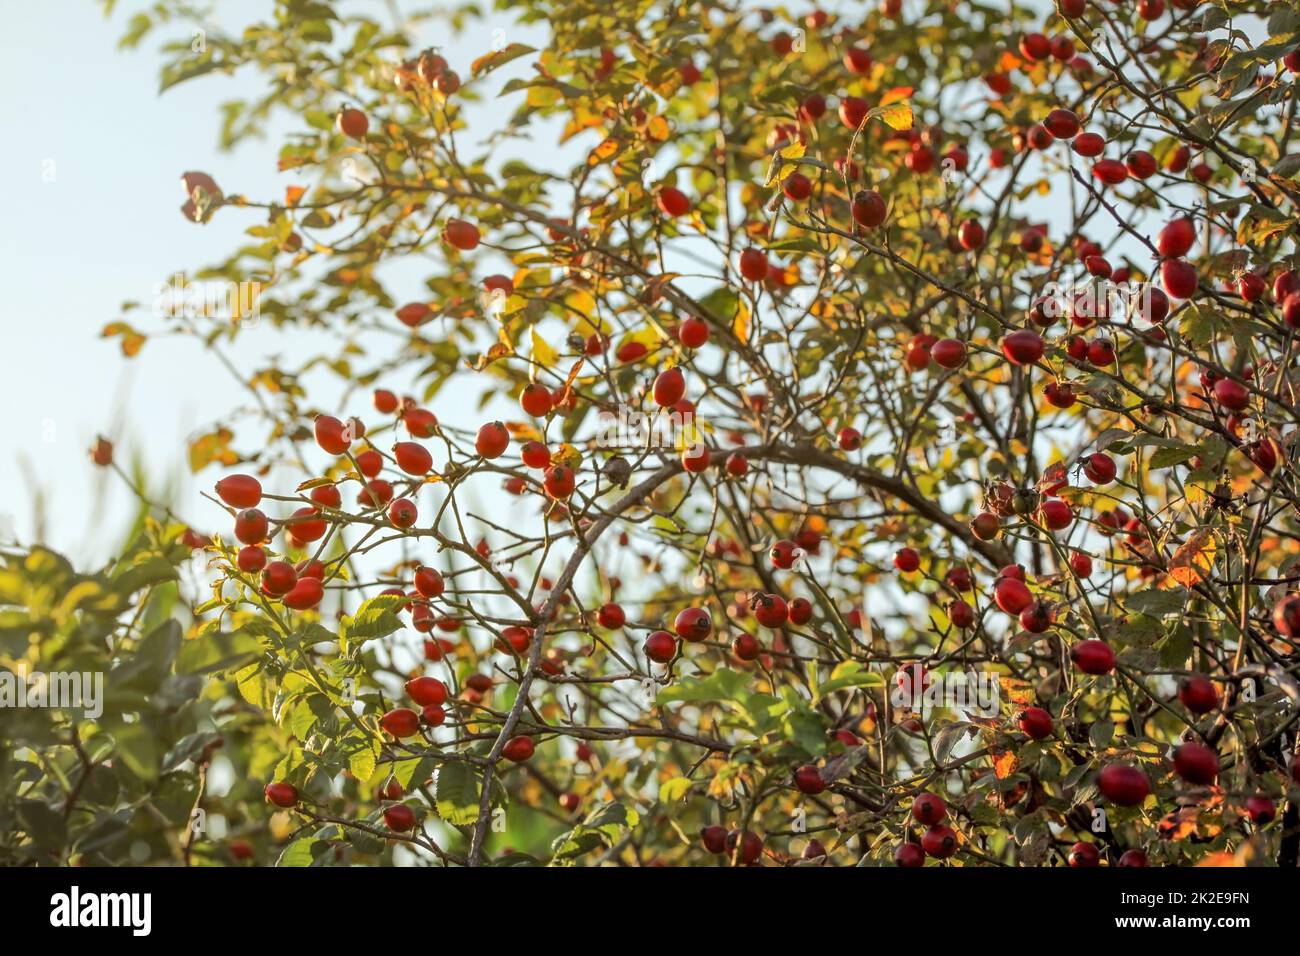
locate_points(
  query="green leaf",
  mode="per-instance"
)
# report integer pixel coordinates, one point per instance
(137, 749)
(375, 618)
(456, 793)
(1156, 602)
(1175, 649)
(363, 759)
(722, 685)
(604, 826)
(216, 652)
(849, 674)
(45, 827)
(1165, 457)
(1101, 733)
(299, 852)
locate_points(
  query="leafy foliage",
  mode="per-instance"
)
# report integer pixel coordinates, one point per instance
(966, 471)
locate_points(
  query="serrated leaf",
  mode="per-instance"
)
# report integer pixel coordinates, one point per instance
(456, 793)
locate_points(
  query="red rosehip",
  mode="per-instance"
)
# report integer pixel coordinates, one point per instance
(352, 123)
(1062, 123)
(693, 624)
(672, 202)
(1100, 468)
(660, 647)
(1084, 855)
(753, 264)
(907, 560)
(536, 400)
(693, 332)
(412, 458)
(1198, 694)
(492, 440)
(240, 491)
(1023, 347)
(559, 482)
(909, 855)
(783, 554)
(939, 842)
(929, 809)
(1035, 722)
(281, 794)
(771, 610)
(518, 749)
(1093, 657)
(461, 234)
(1089, 145)
(1035, 46)
(714, 839)
(948, 353)
(306, 593)
(808, 779)
(970, 235)
(797, 187)
(1123, 785)
(251, 526)
(401, 722)
(868, 208)
(399, 817)
(1178, 278)
(611, 616)
(1012, 596)
(426, 691)
(332, 435)
(1262, 809)
(669, 387)
(1141, 164)
(1196, 763)
(403, 513)
(1176, 238)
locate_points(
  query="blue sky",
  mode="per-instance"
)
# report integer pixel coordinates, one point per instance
(92, 219)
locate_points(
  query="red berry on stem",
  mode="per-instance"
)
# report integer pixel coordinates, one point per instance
(239, 491)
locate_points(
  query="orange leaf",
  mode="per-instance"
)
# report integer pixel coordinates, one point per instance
(1193, 559)
(896, 95)
(1005, 764)
(292, 194)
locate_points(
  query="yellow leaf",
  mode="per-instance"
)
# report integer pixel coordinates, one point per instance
(582, 305)
(897, 116)
(568, 456)
(543, 96)
(212, 447)
(780, 169)
(740, 324)
(543, 354)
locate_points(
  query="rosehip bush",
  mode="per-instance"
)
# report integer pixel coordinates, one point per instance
(974, 333)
